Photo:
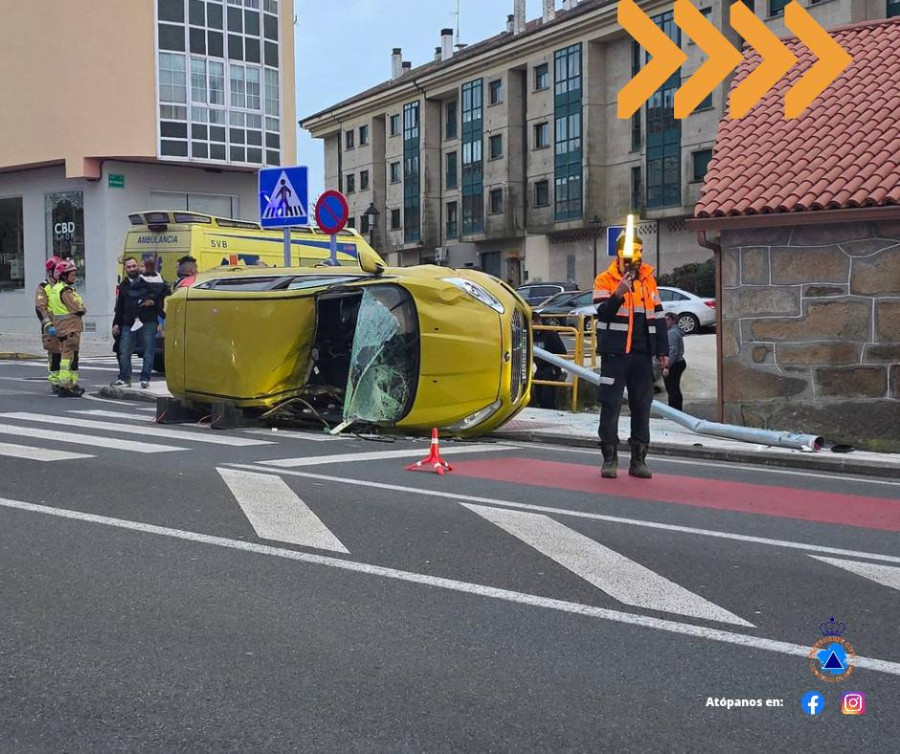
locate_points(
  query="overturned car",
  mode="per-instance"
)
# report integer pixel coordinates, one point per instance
(406, 348)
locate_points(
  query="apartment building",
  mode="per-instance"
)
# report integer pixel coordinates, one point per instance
(500, 154)
(111, 107)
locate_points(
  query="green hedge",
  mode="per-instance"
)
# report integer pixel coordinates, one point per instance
(698, 278)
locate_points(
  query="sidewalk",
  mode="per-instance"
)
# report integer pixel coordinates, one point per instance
(23, 346)
(668, 438)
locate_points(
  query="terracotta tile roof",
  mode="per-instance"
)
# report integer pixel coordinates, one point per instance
(466, 53)
(842, 152)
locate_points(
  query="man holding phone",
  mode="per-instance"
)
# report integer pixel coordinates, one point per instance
(630, 332)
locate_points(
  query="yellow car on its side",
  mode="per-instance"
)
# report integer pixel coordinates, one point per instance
(409, 348)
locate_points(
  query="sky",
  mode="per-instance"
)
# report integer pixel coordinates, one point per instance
(343, 47)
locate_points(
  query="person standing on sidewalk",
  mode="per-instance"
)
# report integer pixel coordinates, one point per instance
(135, 320)
(48, 332)
(68, 310)
(677, 364)
(629, 335)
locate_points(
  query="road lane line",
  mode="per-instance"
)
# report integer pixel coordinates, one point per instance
(130, 446)
(277, 513)
(151, 431)
(291, 463)
(621, 578)
(880, 574)
(116, 415)
(38, 454)
(753, 643)
(295, 435)
(578, 514)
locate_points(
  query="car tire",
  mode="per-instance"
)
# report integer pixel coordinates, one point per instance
(688, 323)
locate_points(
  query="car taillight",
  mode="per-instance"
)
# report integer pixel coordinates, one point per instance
(710, 304)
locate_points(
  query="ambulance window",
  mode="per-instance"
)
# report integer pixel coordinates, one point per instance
(181, 217)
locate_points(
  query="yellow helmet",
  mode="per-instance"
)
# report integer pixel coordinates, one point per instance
(638, 251)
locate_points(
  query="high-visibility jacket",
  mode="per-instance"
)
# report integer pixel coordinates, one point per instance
(41, 301)
(618, 319)
(67, 308)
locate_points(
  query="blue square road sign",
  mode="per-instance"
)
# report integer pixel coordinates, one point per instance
(283, 197)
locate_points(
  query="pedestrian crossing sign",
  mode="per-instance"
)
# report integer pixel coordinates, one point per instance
(283, 197)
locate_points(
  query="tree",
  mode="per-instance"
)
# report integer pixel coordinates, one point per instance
(698, 278)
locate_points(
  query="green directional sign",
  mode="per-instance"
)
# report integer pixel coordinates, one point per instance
(116, 180)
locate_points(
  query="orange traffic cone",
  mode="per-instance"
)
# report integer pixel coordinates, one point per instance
(434, 457)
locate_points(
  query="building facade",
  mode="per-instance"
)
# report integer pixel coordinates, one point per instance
(112, 107)
(501, 154)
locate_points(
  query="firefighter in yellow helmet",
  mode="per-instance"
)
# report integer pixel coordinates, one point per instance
(631, 330)
(48, 331)
(67, 309)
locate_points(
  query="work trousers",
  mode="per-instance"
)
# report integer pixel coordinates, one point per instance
(51, 346)
(68, 363)
(633, 371)
(673, 384)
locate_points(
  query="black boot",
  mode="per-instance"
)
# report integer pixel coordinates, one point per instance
(77, 392)
(638, 466)
(610, 460)
(64, 392)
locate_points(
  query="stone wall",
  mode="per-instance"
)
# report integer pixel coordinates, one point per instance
(811, 330)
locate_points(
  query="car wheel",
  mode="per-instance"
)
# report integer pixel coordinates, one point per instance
(688, 323)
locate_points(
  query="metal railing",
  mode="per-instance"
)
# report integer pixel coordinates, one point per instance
(584, 332)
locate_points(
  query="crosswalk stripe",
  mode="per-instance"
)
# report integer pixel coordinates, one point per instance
(151, 431)
(880, 574)
(621, 578)
(116, 415)
(290, 463)
(132, 446)
(295, 435)
(38, 454)
(277, 513)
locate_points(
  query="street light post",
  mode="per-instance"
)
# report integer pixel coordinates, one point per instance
(373, 214)
(596, 224)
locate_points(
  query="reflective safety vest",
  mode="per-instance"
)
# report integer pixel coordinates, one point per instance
(619, 319)
(55, 303)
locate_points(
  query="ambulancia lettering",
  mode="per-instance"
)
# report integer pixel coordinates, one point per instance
(161, 238)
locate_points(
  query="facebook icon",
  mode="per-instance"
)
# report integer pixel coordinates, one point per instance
(812, 703)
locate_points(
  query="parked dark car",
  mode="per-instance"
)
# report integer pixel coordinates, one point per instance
(536, 293)
(554, 310)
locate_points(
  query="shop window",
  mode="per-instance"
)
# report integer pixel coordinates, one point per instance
(65, 229)
(12, 245)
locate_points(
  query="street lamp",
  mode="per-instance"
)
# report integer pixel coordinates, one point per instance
(372, 214)
(596, 224)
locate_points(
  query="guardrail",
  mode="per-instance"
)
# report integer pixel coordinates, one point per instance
(584, 332)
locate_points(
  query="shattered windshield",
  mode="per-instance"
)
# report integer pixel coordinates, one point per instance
(384, 362)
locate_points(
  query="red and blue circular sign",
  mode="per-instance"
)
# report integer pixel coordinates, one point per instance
(332, 212)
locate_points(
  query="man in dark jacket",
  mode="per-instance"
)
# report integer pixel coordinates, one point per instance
(135, 321)
(549, 340)
(677, 364)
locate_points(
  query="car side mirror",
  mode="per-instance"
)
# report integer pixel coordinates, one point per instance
(369, 260)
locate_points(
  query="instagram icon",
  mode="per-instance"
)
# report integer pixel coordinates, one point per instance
(853, 703)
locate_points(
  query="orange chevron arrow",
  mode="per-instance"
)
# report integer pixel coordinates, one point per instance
(722, 58)
(665, 58)
(832, 60)
(777, 60)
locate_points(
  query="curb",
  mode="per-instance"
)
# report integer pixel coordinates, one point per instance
(806, 461)
(18, 356)
(127, 394)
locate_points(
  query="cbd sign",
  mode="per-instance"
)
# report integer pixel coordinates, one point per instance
(64, 230)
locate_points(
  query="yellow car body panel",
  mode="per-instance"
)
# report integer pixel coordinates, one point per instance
(256, 348)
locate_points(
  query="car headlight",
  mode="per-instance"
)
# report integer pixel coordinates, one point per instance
(473, 420)
(478, 292)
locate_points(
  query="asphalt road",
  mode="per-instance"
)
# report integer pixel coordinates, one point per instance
(174, 588)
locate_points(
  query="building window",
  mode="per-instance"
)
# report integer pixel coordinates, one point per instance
(496, 146)
(12, 244)
(705, 104)
(496, 201)
(776, 7)
(351, 183)
(412, 228)
(496, 92)
(636, 118)
(364, 225)
(395, 124)
(395, 219)
(363, 135)
(567, 137)
(473, 157)
(541, 135)
(171, 10)
(451, 179)
(663, 170)
(363, 180)
(542, 194)
(541, 77)
(452, 220)
(893, 8)
(450, 120)
(172, 83)
(700, 162)
(65, 230)
(349, 139)
(395, 172)
(637, 190)
(351, 222)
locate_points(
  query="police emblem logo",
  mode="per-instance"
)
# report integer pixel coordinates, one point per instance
(831, 657)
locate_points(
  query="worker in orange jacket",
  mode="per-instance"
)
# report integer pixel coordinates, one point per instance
(631, 330)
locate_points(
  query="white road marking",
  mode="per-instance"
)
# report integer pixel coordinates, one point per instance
(753, 643)
(290, 463)
(38, 454)
(880, 574)
(621, 578)
(580, 514)
(294, 435)
(142, 406)
(116, 415)
(276, 512)
(130, 446)
(205, 435)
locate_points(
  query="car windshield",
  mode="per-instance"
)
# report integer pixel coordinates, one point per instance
(384, 361)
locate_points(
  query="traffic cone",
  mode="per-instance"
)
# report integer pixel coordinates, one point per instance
(434, 457)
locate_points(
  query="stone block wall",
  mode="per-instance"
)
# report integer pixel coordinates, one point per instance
(811, 330)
